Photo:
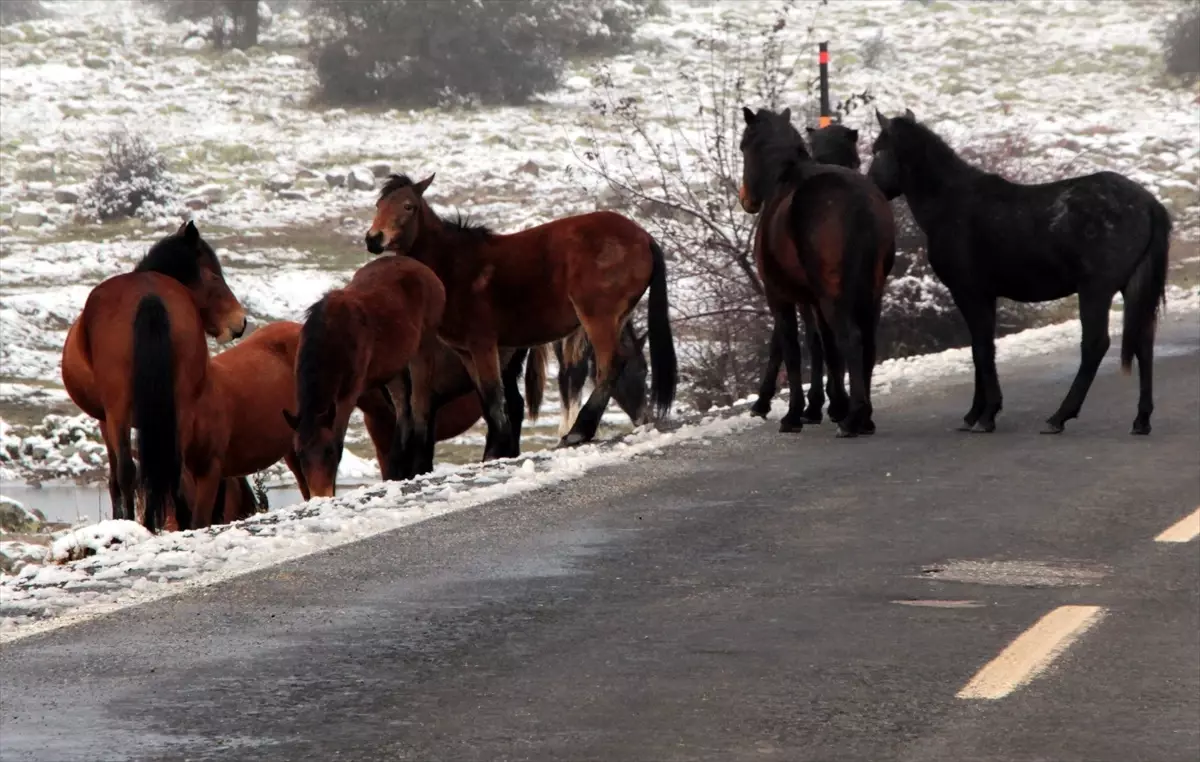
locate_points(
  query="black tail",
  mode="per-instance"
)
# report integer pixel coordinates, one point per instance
(664, 369)
(1147, 287)
(154, 414)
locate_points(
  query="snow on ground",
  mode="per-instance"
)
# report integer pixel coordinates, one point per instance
(139, 569)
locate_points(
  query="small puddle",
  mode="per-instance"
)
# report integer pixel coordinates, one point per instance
(71, 503)
(1015, 573)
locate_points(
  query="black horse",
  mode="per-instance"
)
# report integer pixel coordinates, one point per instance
(835, 144)
(1093, 235)
(826, 239)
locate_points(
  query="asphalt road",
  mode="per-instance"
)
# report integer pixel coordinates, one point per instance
(762, 597)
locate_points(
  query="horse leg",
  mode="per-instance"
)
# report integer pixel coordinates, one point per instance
(122, 471)
(572, 377)
(816, 358)
(850, 340)
(610, 357)
(1145, 360)
(208, 483)
(483, 364)
(513, 399)
(399, 462)
(788, 331)
(1093, 315)
(421, 409)
(869, 357)
(766, 389)
(980, 314)
(835, 387)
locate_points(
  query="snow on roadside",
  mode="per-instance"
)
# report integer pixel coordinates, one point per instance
(44, 597)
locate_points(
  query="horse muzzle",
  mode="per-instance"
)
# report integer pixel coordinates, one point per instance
(375, 243)
(749, 205)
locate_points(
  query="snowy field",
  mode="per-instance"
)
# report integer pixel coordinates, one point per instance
(117, 563)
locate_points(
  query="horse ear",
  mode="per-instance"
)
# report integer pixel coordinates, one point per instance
(748, 115)
(787, 114)
(292, 421)
(190, 233)
(420, 187)
(910, 115)
(883, 120)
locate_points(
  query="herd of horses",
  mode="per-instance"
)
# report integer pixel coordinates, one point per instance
(439, 329)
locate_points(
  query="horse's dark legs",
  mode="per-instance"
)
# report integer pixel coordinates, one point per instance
(839, 401)
(483, 363)
(572, 375)
(1145, 361)
(980, 314)
(588, 420)
(850, 338)
(122, 471)
(766, 389)
(514, 400)
(816, 358)
(788, 331)
(1093, 315)
(401, 459)
(869, 356)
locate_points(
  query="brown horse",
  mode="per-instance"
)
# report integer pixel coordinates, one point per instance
(534, 287)
(577, 363)
(357, 338)
(826, 238)
(137, 358)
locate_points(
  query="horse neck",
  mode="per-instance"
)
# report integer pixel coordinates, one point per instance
(941, 178)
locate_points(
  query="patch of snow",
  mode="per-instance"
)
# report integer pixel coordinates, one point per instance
(104, 537)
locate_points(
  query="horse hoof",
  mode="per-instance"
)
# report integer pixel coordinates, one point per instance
(1140, 428)
(760, 411)
(813, 419)
(868, 429)
(844, 433)
(1052, 427)
(837, 415)
(981, 427)
(571, 440)
(788, 427)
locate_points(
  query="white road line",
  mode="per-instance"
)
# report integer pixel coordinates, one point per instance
(1184, 530)
(1029, 655)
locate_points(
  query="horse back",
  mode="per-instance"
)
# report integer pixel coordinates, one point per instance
(1039, 242)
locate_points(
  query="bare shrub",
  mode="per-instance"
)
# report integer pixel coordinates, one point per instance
(132, 181)
(1181, 43)
(875, 51)
(459, 52)
(680, 176)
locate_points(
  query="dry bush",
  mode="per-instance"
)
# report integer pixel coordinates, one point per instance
(417, 53)
(232, 23)
(17, 11)
(132, 181)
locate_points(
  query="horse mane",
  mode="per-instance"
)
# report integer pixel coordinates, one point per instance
(923, 150)
(460, 223)
(779, 144)
(174, 258)
(394, 183)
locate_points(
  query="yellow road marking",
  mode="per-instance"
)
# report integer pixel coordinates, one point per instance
(1184, 530)
(1029, 655)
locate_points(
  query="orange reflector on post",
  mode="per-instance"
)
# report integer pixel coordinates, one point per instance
(824, 121)
(823, 57)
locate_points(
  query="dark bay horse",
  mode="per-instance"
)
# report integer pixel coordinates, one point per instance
(577, 364)
(835, 144)
(826, 238)
(137, 357)
(1093, 236)
(359, 337)
(534, 287)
